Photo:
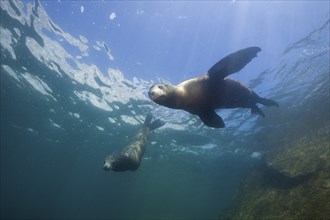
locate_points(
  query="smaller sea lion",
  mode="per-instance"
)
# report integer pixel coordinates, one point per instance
(204, 94)
(130, 157)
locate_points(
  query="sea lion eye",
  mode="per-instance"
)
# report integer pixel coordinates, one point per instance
(161, 87)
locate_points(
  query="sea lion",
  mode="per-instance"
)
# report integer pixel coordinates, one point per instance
(130, 157)
(204, 94)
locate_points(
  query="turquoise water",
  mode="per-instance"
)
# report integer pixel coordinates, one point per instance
(61, 115)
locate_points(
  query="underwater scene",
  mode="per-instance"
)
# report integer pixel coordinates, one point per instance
(86, 132)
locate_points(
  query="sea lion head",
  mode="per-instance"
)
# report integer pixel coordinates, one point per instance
(110, 162)
(162, 94)
(158, 91)
(121, 162)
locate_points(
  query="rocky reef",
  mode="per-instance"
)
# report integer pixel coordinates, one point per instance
(292, 182)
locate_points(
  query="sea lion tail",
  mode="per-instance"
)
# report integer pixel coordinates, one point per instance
(153, 125)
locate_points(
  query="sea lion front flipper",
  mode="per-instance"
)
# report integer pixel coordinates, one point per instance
(255, 110)
(233, 62)
(212, 119)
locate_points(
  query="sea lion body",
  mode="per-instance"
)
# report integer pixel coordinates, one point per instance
(204, 94)
(131, 155)
(207, 95)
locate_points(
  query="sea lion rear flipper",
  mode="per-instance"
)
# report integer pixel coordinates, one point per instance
(153, 125)
(212, 119)
(148, 119)
(156, 124)
(255, 110)
(233, 62)
(268, 102)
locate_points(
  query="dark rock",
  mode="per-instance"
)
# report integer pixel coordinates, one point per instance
(293, 183)
(301, 158)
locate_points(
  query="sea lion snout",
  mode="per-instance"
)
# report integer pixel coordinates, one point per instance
(156, 91)
(107, 165)
(151, 94)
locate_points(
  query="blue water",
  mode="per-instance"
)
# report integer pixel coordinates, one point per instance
(74, 90)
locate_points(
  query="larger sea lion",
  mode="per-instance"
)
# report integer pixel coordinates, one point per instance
(130, 157)
(203, 95)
